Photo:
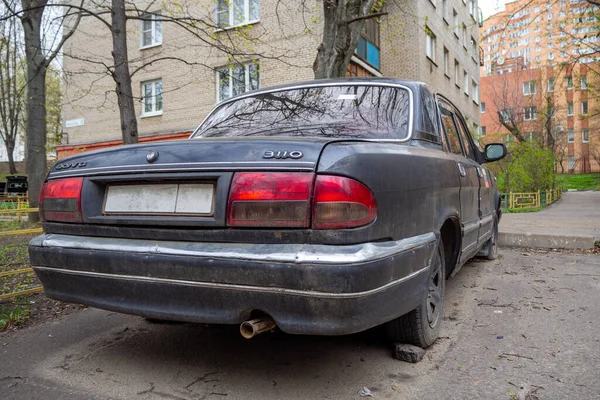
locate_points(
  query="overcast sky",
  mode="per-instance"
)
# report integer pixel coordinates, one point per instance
(489, 7)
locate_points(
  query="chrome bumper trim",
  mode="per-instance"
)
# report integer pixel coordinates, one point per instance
(286, 253)
(228, 286)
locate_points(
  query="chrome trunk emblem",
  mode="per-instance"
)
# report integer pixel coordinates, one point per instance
(151, 156)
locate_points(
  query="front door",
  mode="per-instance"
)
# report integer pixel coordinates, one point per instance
(469, 182)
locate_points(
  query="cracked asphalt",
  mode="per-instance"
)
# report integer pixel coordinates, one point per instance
(525, 326)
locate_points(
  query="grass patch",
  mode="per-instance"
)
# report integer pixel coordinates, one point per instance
(521, 210)
(14, 313)
(14, 256)
(579, 182)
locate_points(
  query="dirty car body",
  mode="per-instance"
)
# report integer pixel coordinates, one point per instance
(323, 205)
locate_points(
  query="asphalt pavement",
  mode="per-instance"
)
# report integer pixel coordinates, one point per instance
(524, 325)
(572, 222)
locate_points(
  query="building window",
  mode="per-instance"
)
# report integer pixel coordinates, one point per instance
(150, 31)
(584, 107)
(237, 79)
(529, 88)
(456, 73)
(444, 8)
(569, 82)
(584, 82)
(571, 135)
(482, 106)
(152, 98)
(464, 33)
(529, 136)
(446, 62)
(475, 90)
(551, 85)
(530, 113)
(430, 44)
(569, 108)
(585, 135)
(237, 12)
(455, 22)
(368, 43)
(506, 116)
(571, 162)
(466, 82)
(483, 131)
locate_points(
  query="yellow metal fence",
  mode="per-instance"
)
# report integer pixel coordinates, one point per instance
(16, 209)
(539, 199)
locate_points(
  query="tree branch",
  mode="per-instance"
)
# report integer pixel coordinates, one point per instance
(374, 15)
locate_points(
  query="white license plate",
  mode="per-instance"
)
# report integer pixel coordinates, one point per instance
(183, 198)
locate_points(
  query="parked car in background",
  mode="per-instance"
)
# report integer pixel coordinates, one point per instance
(325, 207)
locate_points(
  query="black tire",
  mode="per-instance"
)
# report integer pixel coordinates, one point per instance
(421, 326)
(490, 249)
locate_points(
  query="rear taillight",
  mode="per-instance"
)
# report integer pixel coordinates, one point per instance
(276, 199)
(342, 203)
(270, 199)
(60, 200)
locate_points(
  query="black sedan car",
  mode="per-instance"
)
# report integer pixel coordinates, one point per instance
(326, 207)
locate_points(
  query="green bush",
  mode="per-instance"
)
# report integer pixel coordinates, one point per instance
(528, 167)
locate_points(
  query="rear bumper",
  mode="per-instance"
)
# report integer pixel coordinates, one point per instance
(307, 289)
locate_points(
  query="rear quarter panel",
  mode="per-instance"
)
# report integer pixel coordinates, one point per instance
(416, 188)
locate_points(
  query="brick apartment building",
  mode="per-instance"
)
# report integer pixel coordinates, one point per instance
(434, 41)
(541, 72)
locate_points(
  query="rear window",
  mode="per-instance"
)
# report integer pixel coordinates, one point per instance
(345, 111)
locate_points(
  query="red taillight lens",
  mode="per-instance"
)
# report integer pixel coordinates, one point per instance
(60, 200)
(342, 203)
(270, 199)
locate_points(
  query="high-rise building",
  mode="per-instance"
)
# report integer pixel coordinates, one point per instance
(540, 79)
(178, 76)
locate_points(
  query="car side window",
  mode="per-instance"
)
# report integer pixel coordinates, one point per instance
(452, 138)
(464, 134)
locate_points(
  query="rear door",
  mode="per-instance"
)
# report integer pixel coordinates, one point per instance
(467, 169)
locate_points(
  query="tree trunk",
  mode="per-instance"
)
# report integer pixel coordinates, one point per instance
(35, 124)
(343, 22)
(121, 75)
(10, 149)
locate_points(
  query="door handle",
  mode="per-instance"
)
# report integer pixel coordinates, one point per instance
(461, 170)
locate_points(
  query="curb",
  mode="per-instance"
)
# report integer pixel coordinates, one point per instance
(545, 241)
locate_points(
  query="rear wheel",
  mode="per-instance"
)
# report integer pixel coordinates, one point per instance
(421, 326)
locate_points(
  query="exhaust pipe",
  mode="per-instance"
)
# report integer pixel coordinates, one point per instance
(254, 327)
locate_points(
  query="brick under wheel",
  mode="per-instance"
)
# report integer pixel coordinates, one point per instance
(421, 326)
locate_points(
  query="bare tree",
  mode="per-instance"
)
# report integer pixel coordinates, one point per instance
(343, 21)
(38, 57)
(11, 95)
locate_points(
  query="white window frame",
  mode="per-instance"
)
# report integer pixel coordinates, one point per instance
(156, 40)
(585, 135)
(466, 82)
(570, 109)
(530, 113)
(584, 108)
(247, 20)
(551, 83)
(446, 62)
(483, 131)
(153, 98)
(571, 135)
(482, 106)
(527, 88)
(475, 91)
(430, 43)
(583, 82)
(246, 79)
(571, 161)
(569, 82)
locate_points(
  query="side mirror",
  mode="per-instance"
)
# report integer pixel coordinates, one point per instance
(494, 152)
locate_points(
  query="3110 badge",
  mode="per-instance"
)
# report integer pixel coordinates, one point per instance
(283, 154)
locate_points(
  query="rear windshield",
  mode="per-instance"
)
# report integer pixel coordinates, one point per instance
(345, 111)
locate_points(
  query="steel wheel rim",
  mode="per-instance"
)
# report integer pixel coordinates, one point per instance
(434, 297)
